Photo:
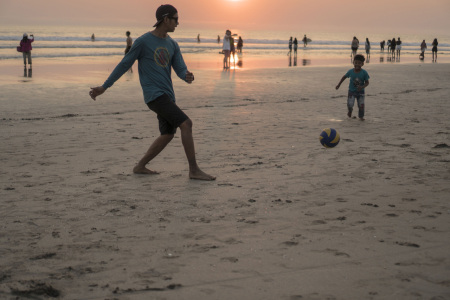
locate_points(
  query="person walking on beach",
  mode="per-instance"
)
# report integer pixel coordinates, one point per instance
(290, 46)
(382, 43)
(399, 48)
(129, 42)
(93, 37)
(393, 45)
(226, 49)
(25, 46)
(305, 41)
(157, 53)
(240, 44)
(423, 47)
(295, 46)
(434, 49)
(367, 47)
(359, 80)
(355, 46)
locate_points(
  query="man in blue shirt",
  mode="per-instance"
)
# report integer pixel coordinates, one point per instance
(359, 80)
(157, 53)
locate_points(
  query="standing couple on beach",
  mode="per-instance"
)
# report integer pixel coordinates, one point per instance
(157, 53)
(229, 50)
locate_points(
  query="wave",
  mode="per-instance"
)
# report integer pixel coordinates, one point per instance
(181, 40)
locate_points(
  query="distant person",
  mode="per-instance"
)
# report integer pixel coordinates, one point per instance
(218, 39)
(295, 46)
(423, 47)
(393, 45)
(157, 53)
(198, 38)
(290, 46)
(398, 47)
(240, 44)
(93, 37)
(305, 41)
(355, 46)
(434, 50)
(232, 48)
(25, 46)
(382, 43)
(389, 45)
(359, 80)
(367, 47)
(129, 42)
(226, 49)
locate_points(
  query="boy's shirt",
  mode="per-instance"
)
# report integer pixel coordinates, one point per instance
(357, 79)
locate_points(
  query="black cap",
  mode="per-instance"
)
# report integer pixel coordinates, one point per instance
(165, 10)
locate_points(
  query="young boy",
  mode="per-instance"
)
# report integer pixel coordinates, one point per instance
(359, 79)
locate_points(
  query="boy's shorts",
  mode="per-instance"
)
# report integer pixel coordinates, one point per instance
(170, 116)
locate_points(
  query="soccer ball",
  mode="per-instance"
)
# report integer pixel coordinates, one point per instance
(329, 138)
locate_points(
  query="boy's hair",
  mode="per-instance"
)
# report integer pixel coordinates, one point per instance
(360, 57)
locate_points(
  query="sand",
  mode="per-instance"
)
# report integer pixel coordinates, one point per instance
(285, 219)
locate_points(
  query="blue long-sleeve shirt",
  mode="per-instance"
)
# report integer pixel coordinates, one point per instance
(156, 56)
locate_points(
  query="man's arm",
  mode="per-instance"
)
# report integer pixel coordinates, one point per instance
(120, 69)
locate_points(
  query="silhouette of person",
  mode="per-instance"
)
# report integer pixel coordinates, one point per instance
(25, 46)
(295, 46)
(240, 44)
(434, 50)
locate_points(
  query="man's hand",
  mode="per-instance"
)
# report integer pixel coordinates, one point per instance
(189, 77)
(96, 91)
(337, 87)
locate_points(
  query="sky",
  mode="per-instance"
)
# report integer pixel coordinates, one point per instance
(374, 16)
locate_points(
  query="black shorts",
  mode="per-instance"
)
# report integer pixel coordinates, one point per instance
(127, 49)
(170, 116)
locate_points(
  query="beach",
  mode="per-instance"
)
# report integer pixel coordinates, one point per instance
(286, 217)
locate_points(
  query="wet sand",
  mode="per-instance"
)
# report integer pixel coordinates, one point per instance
(285, 219)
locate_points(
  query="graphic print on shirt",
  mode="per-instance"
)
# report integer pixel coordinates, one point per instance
(162, 57)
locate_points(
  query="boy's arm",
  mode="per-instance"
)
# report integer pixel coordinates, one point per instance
(366, 84)
(340, 82)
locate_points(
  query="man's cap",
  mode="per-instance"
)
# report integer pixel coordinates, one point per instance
(165, 10)
(24, 35)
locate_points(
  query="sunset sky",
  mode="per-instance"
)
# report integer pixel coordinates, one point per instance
(405, 16)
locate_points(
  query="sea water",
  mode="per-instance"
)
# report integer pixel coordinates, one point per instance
(66, 42)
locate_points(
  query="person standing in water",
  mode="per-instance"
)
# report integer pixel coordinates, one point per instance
(25, 46)
(434, 50)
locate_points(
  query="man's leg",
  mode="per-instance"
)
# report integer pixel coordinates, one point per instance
(189, 148)
(158, 145)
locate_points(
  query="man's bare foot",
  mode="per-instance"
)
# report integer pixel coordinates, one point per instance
(200, 175)
(349, 114)
(362, 119)
(143, 170)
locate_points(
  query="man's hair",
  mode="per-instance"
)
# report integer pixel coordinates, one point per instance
(360, 57)
(128, 33)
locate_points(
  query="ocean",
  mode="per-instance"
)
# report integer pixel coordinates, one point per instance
(64, 42)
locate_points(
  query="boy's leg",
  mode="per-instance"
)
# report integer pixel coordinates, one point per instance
(188, 143)
(361, 106)
(350, 103)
